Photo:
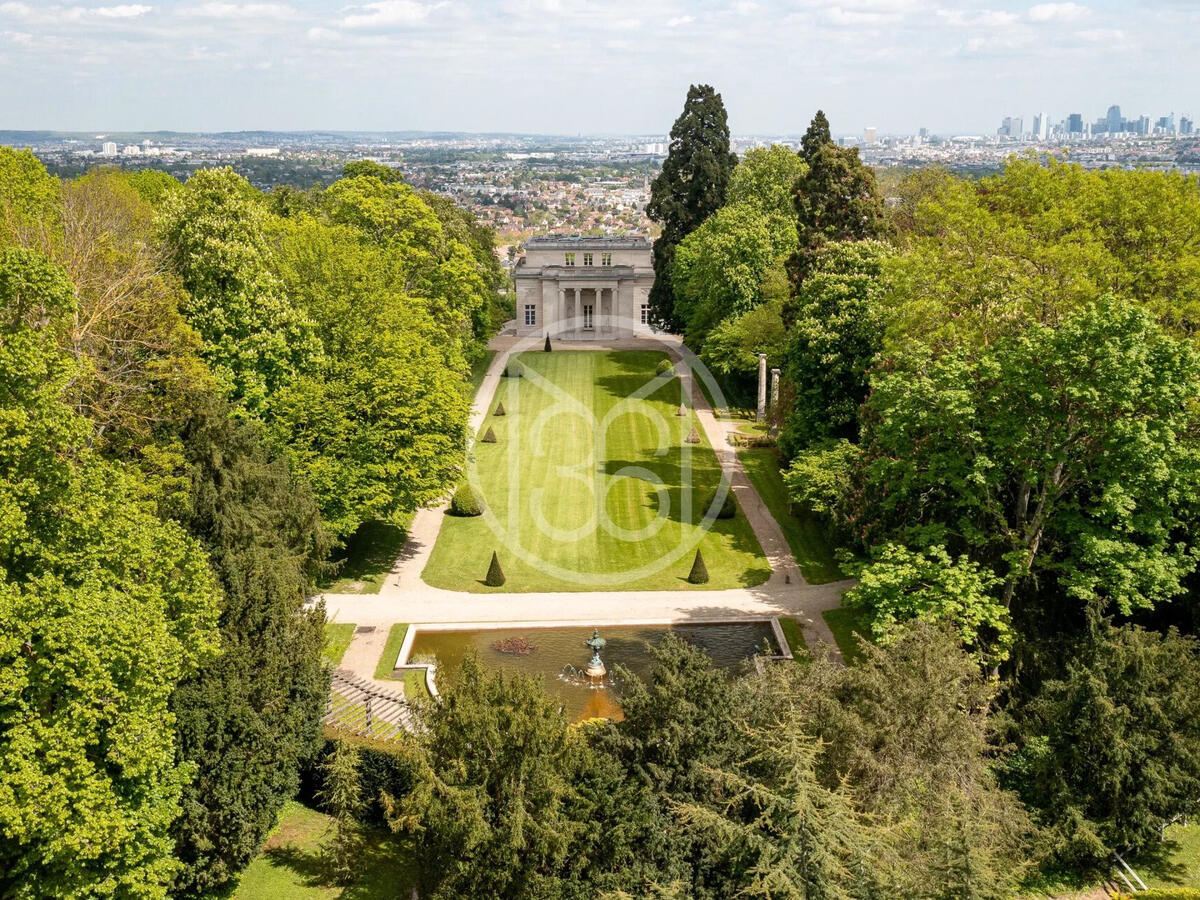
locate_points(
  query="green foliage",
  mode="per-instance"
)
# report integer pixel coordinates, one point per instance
(1112, 747)
(1056, 454)
(820, 480)
(1040, 240)
(900, 586)
(766, 177)
(249, 719)
(489, 436)
(30, 201)
(499, 410)
(489, 807)
(664, 367)
(103, 609)
(691, 186)
(341, 796)
(255, 341)
(465, 502)
(369, 168)
(733, 345)
(727, 509)
(547, 347)
(836, 333)
(836, 199)
(495, 575)
(699, 572)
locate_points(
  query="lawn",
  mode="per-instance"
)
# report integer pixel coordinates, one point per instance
(804, 533)
(291, 865)
(367, 559)
(413, 679)
(337, 638)
(846, 622)
(1177, 862)
(795, 637)
(479, 369)
(588, 483)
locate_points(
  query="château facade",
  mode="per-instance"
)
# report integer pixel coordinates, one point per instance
(584, 288)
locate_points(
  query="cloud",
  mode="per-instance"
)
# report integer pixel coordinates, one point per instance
(128, 11)
(1101, 35)
(242, 11)
(1057, 12)
(680, 20)
(52, 14)
(985, 18)
(390, 13)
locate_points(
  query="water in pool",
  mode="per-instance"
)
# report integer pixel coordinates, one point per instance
(558, 655)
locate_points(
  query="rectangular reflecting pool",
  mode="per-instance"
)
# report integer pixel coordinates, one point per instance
(559, 656)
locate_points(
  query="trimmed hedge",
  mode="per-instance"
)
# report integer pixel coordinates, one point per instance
(728, 506)
(489, 437)
(495, 575)
(465, 503)
(699, 573)
(664, 367)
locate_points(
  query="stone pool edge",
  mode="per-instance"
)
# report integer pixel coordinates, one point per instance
(402, 664)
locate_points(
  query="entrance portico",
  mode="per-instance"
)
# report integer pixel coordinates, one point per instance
(584, 288)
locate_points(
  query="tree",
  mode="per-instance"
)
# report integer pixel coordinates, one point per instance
(1057, 454)
(835, 200)
(103, 609)
(248, 720)
(254, 340)
(30, 201)
(731, 349)
(1112, 747)
(495, 575)
(837, 331)
(691, 186)
(900, 585)
(766, 178)
(369, 168)
(341, 795)
(699, 572)
(492, 783)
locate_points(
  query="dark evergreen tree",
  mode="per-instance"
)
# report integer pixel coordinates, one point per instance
(547, 347)
(250, 718)
(699, 573)
(837, 199)
(691, 186)
(495, 575)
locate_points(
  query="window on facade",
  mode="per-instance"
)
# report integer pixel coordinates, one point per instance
(530, 314)
(587, 316)
(587, 259)
(645, 313)
(606, 259)
(570, 259)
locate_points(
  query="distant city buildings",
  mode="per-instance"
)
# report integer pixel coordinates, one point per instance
(1113, 124)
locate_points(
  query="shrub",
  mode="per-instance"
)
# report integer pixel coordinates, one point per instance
(489, 436)
(728, 506)
(699, 573)
(547, 347)
(512, 370)
(465, 502)
(682, 411)
(500, 411)
(664, 367)
(495, 575)
(693, 436)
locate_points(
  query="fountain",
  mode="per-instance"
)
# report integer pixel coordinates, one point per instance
(595, 670)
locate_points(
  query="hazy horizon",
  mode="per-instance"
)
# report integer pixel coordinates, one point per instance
(570, 67)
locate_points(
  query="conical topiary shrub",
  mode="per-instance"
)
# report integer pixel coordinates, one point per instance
(500, 410)
(512, 370)
(699, 573)
(495, 575)
(547, 347)
(489, 437)
(728, 507)
(693, 437)
(682, 411)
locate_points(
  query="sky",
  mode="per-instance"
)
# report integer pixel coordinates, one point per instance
(588, 66)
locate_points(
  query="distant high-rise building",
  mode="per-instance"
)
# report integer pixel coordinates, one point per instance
(1075, 123)
(1041, 127)
(1143, 125)
(869, 134)
(1186, 125)
(1165, 124)
(1011, 126)
(109, 149)
(1113, 120)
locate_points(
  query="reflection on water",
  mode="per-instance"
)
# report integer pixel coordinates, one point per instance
(560, 656)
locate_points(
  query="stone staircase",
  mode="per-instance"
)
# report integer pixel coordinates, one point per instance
(360, 708)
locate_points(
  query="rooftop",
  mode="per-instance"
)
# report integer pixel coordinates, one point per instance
(575, 241)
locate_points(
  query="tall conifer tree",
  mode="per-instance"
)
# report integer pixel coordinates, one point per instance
(691, 186)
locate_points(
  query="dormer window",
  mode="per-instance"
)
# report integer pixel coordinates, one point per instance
(587, 259)
(606, 259)
(570, 257)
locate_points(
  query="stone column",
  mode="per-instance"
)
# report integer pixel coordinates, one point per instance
(774, 389)
(762, 387)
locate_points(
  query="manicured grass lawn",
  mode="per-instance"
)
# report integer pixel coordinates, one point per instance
(387, 659)
(845, 623)
(479, 369)
(804, 534)
(337, 638)
(795, 636)
(571, 481)
(291, 865)
(369, 556)
(1178, 863)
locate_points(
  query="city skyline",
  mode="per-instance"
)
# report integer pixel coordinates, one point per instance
(570, 66)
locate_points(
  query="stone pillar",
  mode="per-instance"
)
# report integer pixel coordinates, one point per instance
(774, 389)
(762, 387)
